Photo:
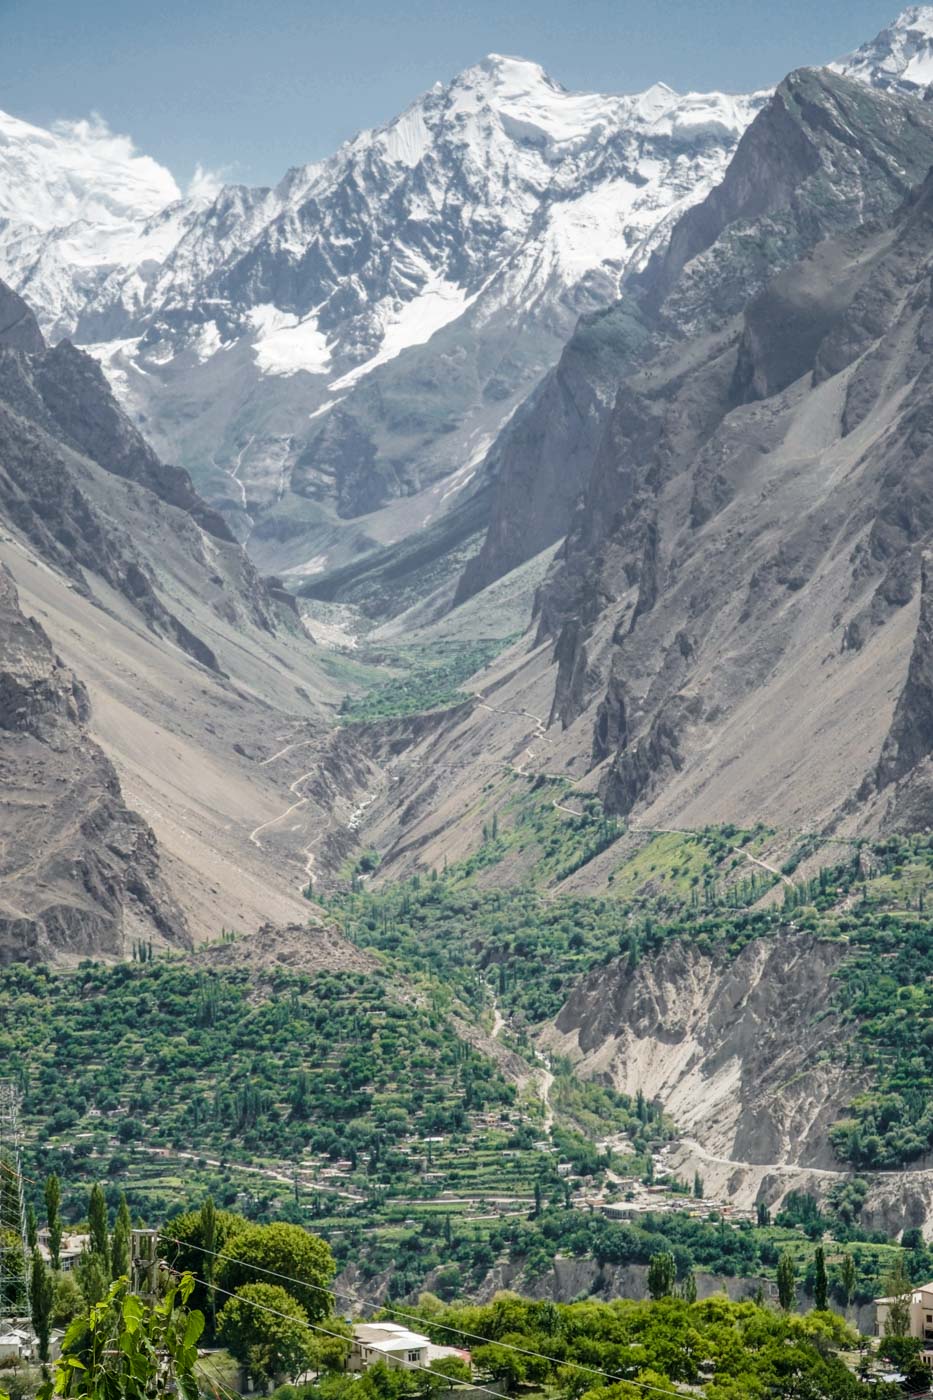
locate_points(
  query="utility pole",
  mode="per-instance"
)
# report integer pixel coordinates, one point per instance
(144, 1264)
(14, 1259)
(144, 1277)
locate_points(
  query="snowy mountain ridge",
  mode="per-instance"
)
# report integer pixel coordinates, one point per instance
(332, 357)
(484, 219)
(76, 201)
(900, 58)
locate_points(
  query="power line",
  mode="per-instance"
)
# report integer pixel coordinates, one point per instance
(341, 1337)
(14, 1263)
(410, 1317)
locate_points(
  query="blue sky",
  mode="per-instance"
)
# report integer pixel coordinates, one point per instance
(251, 88)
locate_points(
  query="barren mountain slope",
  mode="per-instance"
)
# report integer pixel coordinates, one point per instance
(731, 1046)
(745, 569)
(823, 155)
(746, 1054)
(195, 668)
(79, 873)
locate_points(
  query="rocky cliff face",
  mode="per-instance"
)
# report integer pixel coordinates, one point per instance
(824, 155)
(748, 547)
(736, 1049)
(63, 436)
(193, 662)
(79, 872)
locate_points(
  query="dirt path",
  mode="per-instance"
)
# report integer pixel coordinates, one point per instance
(793, 1168)
(541, 735)
(274, 821)
(298, 744)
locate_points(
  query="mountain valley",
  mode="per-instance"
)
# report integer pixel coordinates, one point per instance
(465, 696)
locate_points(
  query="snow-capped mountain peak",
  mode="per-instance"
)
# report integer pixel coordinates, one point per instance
(457, 245)
(77, 171)
(77, 201)
(900, 58)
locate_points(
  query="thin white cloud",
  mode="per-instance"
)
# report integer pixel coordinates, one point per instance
(206, 184)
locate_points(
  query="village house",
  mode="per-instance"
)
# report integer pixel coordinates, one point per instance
(921, 1315)
(72, 1247)
(17, 1344)
(397, 1347)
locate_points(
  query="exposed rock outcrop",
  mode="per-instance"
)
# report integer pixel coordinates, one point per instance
(744, 1052)
(824, 156)
(79, 872)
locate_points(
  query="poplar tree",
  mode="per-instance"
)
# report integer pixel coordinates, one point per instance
(41, 1302)
(848, 1275)
(786, 1281)
(120, 1241)
(819, 1280)
(662, 1275)
(898, 1287)
(53, 1200)
(209, 1242)
(97, 1224)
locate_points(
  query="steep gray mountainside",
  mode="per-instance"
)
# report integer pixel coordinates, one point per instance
(733, 630)
(58, 421)
(746, 564)
(823, 156)
(749, 1057)
(79, 872)
(197, 669)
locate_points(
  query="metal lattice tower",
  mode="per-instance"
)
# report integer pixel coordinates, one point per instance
(14, 1248)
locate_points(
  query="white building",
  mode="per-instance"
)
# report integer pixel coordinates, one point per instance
(388, 1342)
(17, 1344)
(397, 1346)
(72, 1247)
(921, 1315)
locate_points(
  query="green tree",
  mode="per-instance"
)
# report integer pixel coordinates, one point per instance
(506, 1367)
(118, 1350)
(69, 1300)
(698, 1186)
(688, 1287)
(182, 1244)
(267, 1331)
(120, 1241)
(53, 1219)
(786, 1280)
(286, 1250)
(93, 1277)
(454, 1367)
(32, 1233)
(898, 1287)
(819, 1280)
(662, 1275)
(97, 1224)
(848, 1277)
(41, 1302)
